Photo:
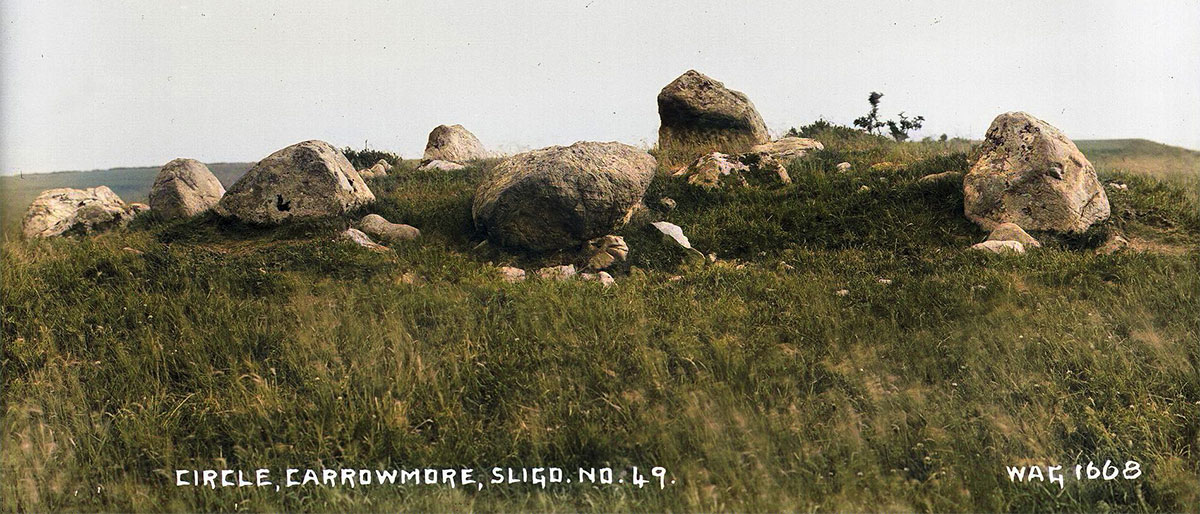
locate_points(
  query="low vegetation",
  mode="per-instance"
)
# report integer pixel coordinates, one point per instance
(207, 344)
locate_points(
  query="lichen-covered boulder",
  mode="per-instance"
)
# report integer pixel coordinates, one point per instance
(787, 149)
(717, 170)
(453, 143)
(1029, 173)
(562, 196)
(184, 188)
(697, 111)
(306, 180)
(66, 211)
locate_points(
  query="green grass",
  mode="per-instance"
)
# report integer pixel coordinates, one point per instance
(749, 379)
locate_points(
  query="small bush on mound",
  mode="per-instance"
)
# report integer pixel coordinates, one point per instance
(366, 157)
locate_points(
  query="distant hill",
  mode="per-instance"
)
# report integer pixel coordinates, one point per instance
(131, 184)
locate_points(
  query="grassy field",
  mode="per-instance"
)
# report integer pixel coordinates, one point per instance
(749, 380)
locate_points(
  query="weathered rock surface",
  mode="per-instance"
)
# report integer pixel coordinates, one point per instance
(844, 167)
(359, 238)
(1013, 232)
(511, 274)
(56, 212)
(440, 165)
(999, 247)
(559, 197)
(1030, 174)
(606, 250)
(673, 233)
(785, 149)
(718, 170)
(380, 228)
(697, 111)
(184, 188)
(453, 143)
(379, 169)
(306, 180)
(603, 277)
(564, 272)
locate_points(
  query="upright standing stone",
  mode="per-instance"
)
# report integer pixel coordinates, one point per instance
(1030, 174)
(453, 143)
(184, 188)
(700, 113)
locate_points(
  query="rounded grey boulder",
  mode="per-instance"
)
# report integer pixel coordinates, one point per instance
(306, 180)
(697, 111)
(453, 143)
(562, 196)
(184, 188)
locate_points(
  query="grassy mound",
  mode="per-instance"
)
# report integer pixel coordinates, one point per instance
(751, 381)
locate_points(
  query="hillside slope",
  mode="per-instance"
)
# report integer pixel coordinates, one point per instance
(750, 380)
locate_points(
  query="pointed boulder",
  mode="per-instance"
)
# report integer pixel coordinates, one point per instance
(303, 181)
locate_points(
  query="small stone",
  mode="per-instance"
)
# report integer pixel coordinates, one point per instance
(842, 292)
(1115, 243)
(511, 274)
(359, 238)
(132, 250)
(606, 250)
(435, 164)
(1000, 247)
(864, 188)
(885, 281)
(1013, 232)
(603, 277)
(564, 272)
(411, 278)
(667, 203)
(674, 278)
(843, 167)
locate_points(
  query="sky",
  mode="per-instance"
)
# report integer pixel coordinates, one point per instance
(100, 84)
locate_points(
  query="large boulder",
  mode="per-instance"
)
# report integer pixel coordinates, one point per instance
(1030, 174)
(562, 196)
(699, 112)
(453, 143)
(61, 211)
(306, 180)
(184, 188)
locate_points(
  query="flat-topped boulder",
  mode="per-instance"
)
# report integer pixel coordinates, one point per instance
(453, 143)
(786, 149)
(66, 211)
(562, 196)
(1031, 174)
(698, 112)
(184, 188)
(307, 180)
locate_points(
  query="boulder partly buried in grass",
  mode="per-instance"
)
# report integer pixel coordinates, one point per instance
(453, 143)
(184, 188)
(303, 181)
(699, 112)
(56, 212)
(562, 196)
(1000, 247)
(382, 229)
(1013, 232)
(1030, 174)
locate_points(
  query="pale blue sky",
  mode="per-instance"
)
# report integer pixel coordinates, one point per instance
(101, 84)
